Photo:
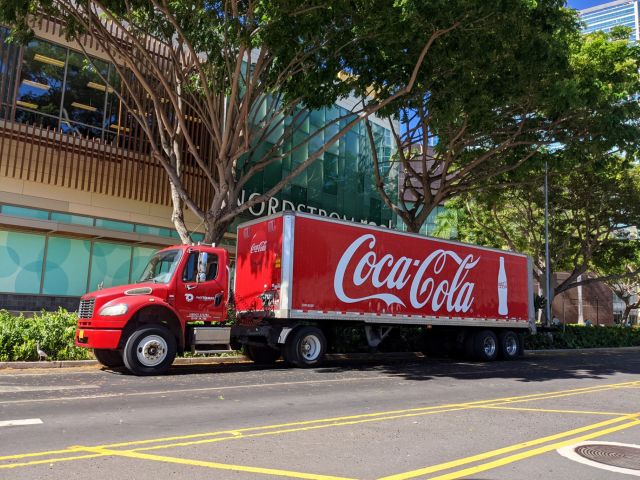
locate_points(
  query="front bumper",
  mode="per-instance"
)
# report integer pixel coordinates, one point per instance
(98, 338)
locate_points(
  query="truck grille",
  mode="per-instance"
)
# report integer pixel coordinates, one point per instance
(85, 310)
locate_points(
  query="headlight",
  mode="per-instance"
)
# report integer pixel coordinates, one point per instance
(113, 310)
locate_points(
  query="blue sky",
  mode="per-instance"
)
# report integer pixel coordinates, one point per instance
(580, 4)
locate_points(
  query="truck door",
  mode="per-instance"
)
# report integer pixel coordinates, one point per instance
(201, 289)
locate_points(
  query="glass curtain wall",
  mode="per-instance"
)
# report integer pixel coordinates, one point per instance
(56, 265)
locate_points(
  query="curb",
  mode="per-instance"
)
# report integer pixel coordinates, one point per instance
(332, 356)
(579, 351)
(208, 360)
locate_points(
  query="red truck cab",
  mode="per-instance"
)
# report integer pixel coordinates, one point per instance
(145, 324)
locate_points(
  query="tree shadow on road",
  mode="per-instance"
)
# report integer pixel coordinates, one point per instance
(533, 368)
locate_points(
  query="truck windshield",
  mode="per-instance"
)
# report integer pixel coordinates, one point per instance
(161, 267)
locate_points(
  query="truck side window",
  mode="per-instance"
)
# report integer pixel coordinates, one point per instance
(191, 268)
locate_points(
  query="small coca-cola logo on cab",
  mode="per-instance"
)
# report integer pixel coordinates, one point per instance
(258, 247)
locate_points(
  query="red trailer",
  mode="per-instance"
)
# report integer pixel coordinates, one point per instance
(296, 277)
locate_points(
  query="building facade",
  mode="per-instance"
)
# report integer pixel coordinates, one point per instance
(612, 14)
(83, 204)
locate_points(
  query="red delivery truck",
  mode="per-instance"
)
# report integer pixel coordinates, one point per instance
(296, 277)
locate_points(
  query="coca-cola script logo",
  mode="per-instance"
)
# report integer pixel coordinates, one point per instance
(390, 276)
(258, 247)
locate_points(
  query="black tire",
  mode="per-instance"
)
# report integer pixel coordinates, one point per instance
(265, 355)
(108, 358)
(149, 351)
(305, 347)
(485, 346)
(510, 345)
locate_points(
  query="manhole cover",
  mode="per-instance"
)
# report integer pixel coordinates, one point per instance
(618, 457)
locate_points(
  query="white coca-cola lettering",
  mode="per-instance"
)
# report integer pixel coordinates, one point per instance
(258, 247)
(455, 294)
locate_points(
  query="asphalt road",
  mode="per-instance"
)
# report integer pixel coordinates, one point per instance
(420, 419)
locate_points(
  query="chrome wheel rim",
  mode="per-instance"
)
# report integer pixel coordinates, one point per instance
(310, 348)
(511, 345)
(489, 346)
(152, 350)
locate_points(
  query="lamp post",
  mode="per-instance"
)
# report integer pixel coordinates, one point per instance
(546, 244)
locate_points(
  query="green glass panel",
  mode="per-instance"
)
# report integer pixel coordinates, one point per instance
(140, 258)
(69, 218)
(157, 231)
(316, 141)
(67, 266)
(21, 256)
(25, 212)
(317, 118)
(110, 264)
(298, 195)
(300, 149)
(114, 225)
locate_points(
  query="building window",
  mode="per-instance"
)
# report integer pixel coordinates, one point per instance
(40, 89)
(62, 89)
(85, 96)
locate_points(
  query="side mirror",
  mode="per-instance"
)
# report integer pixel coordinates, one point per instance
(202, 267)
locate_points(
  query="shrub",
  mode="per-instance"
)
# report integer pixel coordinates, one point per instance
(579, 336)
(54, 331)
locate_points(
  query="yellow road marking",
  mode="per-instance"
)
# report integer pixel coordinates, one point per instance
(50, 460)
(511, 448)
(324, 423)
(37, 454)
(215, 465)
(531, 453)
(547, 410)
(531, 397)
(197, 390)
(292, 430)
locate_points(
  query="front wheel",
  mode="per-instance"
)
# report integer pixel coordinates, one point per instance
(149, 351)
(108, 358)
(305, 347)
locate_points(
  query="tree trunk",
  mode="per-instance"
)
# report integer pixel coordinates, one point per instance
(625, 314)
(214, 229)
(177, 216)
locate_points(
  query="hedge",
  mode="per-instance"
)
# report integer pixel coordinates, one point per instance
(580, 336)
(54, 331)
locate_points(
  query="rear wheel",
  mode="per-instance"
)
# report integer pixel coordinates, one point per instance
(510, 345)
(485, 346)
(305, 347)
(149, 351)
(260, 354)
(108, 358)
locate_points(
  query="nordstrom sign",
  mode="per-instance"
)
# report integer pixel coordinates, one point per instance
(274, 206)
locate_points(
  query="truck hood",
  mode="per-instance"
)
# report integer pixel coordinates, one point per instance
(148, 288)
